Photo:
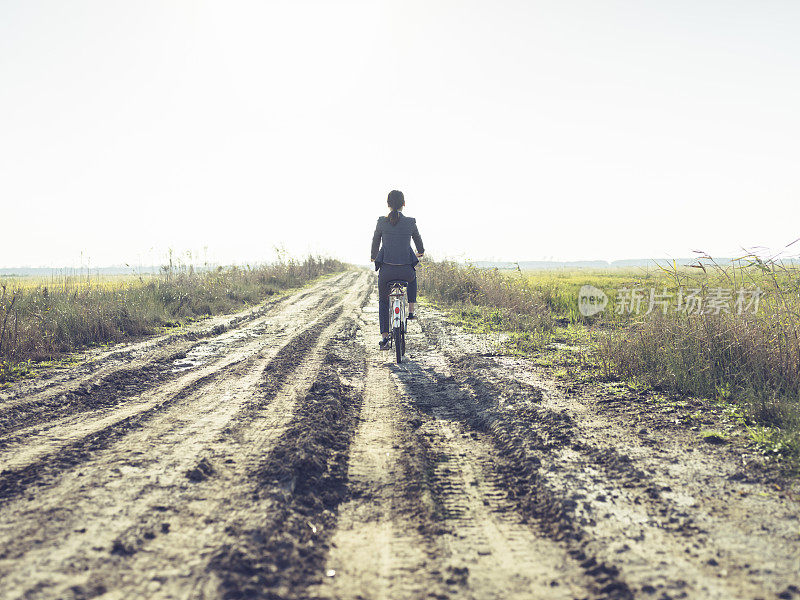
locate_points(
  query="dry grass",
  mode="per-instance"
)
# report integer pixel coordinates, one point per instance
(749, 360)
(503, 301)
(45, 320)
(752, 359)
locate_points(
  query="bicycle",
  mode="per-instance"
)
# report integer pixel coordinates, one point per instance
(398, 307)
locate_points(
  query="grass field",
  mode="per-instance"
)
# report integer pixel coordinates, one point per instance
(729, 333)
(42, 319)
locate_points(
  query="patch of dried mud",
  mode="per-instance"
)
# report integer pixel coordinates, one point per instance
(300, 484)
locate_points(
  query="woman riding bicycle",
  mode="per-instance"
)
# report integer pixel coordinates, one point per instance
(395, 260)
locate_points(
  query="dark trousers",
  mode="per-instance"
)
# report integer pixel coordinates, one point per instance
(386, 274)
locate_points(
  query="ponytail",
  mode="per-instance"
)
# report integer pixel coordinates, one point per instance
(396, 201)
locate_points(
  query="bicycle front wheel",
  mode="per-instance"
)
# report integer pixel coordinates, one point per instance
(398, 343)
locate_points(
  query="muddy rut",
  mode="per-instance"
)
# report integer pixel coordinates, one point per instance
(277, 453)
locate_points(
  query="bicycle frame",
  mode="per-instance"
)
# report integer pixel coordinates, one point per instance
(398, 305)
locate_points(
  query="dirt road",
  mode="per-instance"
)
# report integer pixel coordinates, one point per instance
(278, 454)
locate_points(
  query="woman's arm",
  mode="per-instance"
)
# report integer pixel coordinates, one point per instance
(376, 241)
(417, 240)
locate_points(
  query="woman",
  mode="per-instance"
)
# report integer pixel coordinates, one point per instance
(395, 260)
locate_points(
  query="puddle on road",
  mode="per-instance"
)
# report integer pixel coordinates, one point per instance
(203, 353)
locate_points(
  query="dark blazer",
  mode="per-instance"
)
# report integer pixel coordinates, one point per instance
(414, 261)
(395, 241)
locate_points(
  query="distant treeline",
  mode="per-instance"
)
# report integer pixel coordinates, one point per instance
(535, 265)
(75, 271)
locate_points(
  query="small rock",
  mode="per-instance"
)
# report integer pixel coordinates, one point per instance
(648, 589)
(201, 472)
(714, 438)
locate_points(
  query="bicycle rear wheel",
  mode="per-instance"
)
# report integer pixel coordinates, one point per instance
(399, 343)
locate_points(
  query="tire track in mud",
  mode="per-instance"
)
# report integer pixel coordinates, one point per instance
(527, 438)
(107, 392)
(290, 364)
(493, 550)
(426, 516)
(107, 386)
(160, 522)
(387, 524)
(611, 515)
(705, 532)
(298, 486)
(235, 498)
(512, 470)
(100, 363)
(13, 481)
(606, 504)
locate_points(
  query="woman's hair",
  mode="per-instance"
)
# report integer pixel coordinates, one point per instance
(396, 201)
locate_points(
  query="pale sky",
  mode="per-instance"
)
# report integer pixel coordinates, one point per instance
(517, 130)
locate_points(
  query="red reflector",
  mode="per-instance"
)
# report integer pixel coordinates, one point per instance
(397, 309)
